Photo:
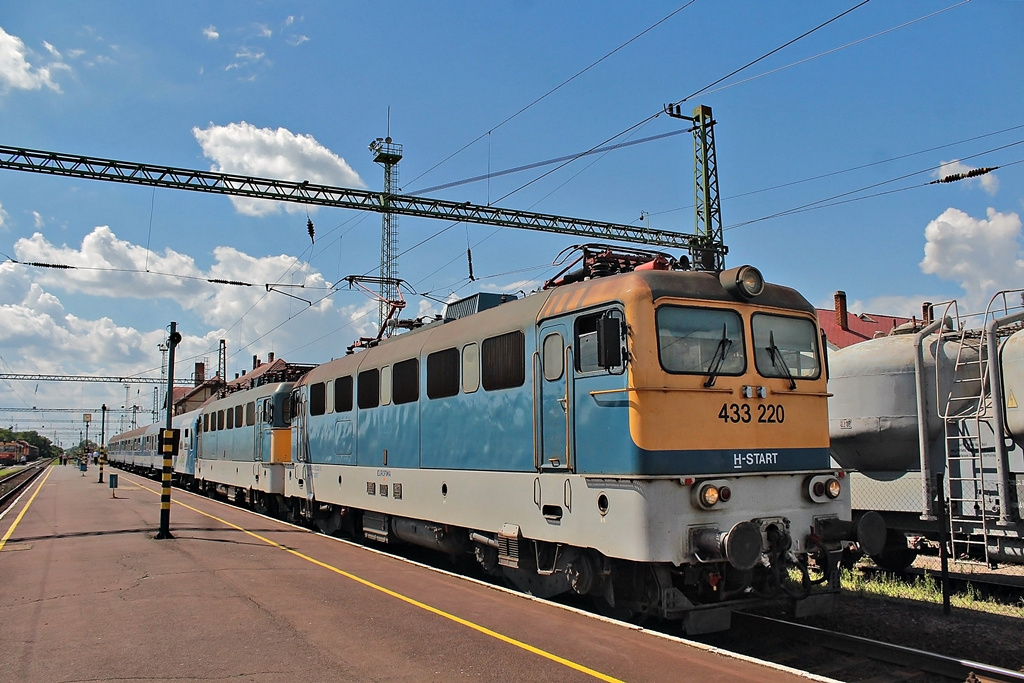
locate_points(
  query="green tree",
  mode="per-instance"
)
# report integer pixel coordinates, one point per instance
(45, 446)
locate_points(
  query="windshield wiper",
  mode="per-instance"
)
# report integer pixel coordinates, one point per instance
(716, 360)
(777, 361)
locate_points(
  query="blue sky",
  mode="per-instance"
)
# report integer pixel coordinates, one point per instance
(868, 108)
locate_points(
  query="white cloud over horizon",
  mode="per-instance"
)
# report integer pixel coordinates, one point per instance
(242, 148)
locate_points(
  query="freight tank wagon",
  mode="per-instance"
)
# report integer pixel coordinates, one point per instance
(915, 416)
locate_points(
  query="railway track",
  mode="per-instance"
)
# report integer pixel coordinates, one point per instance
(13, 484)
(846, 657)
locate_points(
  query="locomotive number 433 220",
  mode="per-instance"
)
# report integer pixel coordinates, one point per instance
(767, 413)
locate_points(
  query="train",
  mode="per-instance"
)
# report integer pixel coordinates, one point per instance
(646, 436)
(928, 422)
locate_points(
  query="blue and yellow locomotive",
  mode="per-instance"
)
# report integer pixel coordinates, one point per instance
(652, 437)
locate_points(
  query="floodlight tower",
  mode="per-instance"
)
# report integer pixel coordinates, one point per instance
(387, 154)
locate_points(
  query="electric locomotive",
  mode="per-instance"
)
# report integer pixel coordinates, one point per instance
(649, 436)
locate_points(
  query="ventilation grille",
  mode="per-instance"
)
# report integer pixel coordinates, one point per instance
(508, 546)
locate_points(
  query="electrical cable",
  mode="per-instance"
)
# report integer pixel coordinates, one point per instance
(851, 169)
(694, 94)
(557, 87)
(829, 201)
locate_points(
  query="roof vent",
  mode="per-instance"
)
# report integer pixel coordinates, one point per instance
(474, 304)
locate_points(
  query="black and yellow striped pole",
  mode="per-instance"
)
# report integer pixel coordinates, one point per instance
(168, 441)
(169, 449)
(102, 461)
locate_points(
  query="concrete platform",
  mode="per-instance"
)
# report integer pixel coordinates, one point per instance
(87, 593)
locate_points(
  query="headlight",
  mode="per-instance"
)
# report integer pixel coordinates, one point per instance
(708, 495)
(823, 488)
(744, 282)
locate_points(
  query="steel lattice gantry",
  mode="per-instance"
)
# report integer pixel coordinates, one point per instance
(304, 192)
(91, 378)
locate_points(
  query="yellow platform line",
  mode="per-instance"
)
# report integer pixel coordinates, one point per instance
(404, 598)
(14, 524)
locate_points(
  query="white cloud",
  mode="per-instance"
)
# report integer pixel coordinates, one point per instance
(211, 32)
(295, 41)
(3, 219)
(982, 255)
(18, 74)
(244, 149)
(263, 31)
(989, 182)
(110, 268)
(37, 220)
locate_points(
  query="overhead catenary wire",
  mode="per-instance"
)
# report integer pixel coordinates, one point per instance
(859, 167)
(691, 95)
(553, 90)
(832, 201)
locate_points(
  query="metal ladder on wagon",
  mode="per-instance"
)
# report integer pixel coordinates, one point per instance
(967, 418)
(976, 440)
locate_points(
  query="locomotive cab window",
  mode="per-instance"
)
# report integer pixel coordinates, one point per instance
(785, 347)
(700, 341)
(592, 342)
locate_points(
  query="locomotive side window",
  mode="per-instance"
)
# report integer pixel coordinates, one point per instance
(343, 394)
(503, 361)
(785, 347)
(443, 373)
(406, 386)
(317, 398)
(206, 422)
(239, 416)
(229, 418)
(250, 414)
(385, 385)
(368, 389)
(470, 368)
(554, 356)
(700, 341)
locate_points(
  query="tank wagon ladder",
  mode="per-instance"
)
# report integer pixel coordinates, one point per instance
(975, 441)
(966, 414)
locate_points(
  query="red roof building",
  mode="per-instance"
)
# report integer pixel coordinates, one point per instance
(843, 328)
